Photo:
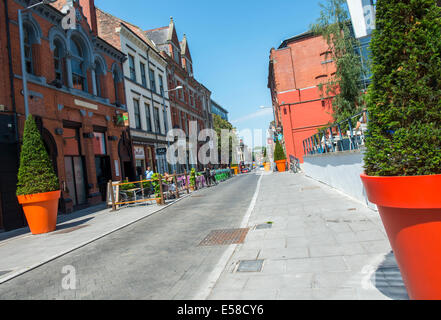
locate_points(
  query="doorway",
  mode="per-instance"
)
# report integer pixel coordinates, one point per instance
(75, 179)
(103, 174)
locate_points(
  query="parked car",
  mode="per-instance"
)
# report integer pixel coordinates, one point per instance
(246, 170)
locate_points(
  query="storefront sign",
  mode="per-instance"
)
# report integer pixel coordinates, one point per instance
(139, 153)
(161, 151)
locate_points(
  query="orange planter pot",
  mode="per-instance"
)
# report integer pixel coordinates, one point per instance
(410, 208)
(281, 165)
(267, 166)
(236, 170)
(41, 211)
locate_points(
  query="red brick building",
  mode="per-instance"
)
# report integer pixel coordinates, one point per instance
(193, 102)
(76, 95)
(296, 69)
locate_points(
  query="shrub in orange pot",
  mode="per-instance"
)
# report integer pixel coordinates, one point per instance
(38, 189)
(280, 157)
(403, 157)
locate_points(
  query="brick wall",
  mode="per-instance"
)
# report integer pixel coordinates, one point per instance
(57, 106)
(295, 72)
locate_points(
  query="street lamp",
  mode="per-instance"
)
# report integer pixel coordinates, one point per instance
(22, 53)
(165, 108)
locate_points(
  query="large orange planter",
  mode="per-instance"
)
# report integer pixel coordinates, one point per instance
(236, 170)
(281, 165)
(410, 208)
(41, 211)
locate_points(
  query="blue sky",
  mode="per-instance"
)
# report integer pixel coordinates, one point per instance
(229, 42)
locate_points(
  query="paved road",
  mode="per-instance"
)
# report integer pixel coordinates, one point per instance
(156, 258)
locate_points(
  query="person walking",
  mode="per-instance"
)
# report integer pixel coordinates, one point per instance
(213, 175)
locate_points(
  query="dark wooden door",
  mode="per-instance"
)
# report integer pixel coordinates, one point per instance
(12, 214)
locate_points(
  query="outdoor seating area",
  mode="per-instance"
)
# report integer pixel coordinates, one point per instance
(159, 188)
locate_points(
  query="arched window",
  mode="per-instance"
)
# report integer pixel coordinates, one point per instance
(98, 74)
(58, 61)
(79, 78)
(116, 81)
(28, 36)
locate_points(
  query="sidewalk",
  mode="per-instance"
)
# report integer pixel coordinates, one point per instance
(321, 245)
(20, 251)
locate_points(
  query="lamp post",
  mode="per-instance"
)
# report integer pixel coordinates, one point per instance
(22, 53)
(165, 108)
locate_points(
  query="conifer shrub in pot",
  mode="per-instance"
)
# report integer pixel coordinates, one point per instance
(280, 157)
(38, 188)
(192, 179)
(403, 157)
(156, 180)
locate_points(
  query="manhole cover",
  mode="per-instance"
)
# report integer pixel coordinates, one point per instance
(225, 237)
(264, 226)
(69, 230)
(250, 266)
(2, 273)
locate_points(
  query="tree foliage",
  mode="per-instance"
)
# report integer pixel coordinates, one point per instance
(345, 85)
(36, 173)
(404, 98)
(279, 153)
(221, 126)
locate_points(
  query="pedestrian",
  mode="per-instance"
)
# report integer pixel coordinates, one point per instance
(213, 175)
(148, 173)
(207, 176)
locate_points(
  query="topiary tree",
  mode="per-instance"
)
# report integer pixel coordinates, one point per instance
(36, 173)
(193, 177)
(265, 156)
(404, 99)
(279, 153)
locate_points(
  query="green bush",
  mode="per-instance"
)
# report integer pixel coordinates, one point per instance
(36, 173)
(156, 180)
(279, 153)
(404, 99)
(193, 177)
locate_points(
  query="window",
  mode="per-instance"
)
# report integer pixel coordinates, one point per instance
(99, 143)
(132, 68)
(165, 120)
(148, 117)
(143, 76)
(28, 50)
(176, 55)
(152, 80)
(116, 81)
(137, 114)
(98, 73)
(157, 121)
(77, 63)
(58, 61)
(161, 86)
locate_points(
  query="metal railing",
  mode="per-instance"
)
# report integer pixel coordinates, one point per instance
(343, 136)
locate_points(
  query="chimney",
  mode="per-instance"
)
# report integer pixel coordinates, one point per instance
(89, 12)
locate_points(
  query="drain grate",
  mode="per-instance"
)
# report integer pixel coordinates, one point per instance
(2, 273)
(264, 226)
(250, 266)
(225, 237)
(69, 230)
(310, 188)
